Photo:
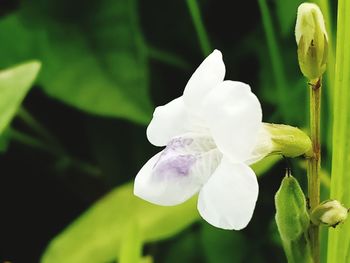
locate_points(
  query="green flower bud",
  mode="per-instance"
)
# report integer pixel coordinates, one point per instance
(312, 40)
(293, 221)
(330, 213)
(288, 141)
(291, 215)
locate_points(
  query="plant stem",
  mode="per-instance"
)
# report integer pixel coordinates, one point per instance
(276, 61)
(29, 140)
(168, 58)
(39, 129)
(199, 26)
(314, 163)
(49, 144)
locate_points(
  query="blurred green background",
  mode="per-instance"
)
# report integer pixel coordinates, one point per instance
(80, 132)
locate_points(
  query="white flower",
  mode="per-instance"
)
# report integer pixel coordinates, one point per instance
(211, 135)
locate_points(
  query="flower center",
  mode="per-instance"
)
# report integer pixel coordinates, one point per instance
(186, 154)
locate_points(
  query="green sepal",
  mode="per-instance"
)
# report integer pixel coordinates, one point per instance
(288, 140)
(293, 221)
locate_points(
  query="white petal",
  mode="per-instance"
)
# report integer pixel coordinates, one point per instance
(263, 147)
(178, 172)
(228, 199)
(233, 116)
(209, 74)
(168, 121)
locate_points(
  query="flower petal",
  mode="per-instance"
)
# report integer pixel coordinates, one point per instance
(233, 115)
(262, 148)
(168, 121)
(207, 76)
(228, 199)
(178, 172)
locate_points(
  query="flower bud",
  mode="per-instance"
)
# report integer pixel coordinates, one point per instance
(288, 140)
(330, 213)
(312, 40)
(291, 215)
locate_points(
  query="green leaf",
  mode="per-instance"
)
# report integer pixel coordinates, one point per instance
(15, 83)
(339, 238)
(184, 248)
(147, 259)
(97, 235)
(131, 247)
(265, 164)
(223, 246)
(94, 59)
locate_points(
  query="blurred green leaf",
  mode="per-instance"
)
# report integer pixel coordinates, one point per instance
(265, 164)
(131, 247)
(184, 248)
(147, 259)
(15, 82)
(223, 246)
(339, 238)
(94, 60)
(96, 236)
(102, 227)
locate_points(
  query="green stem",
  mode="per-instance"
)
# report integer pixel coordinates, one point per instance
(65, 160)
(167, 58)
(39, 129)
(329, 96)
(29, 140)
(50, 144)
(314, 164)
(199, 26)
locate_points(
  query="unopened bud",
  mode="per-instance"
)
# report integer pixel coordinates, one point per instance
(312, 40)
(330, 213)
(288, 140)
(291, 215)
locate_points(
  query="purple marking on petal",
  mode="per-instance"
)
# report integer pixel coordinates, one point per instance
(175, 161)
(179, 165)
(179, 142)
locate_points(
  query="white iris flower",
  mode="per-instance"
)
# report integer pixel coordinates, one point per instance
(211, 133)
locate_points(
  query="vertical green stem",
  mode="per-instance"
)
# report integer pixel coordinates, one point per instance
(314, 164)
(199, 26)
(36, 126)
(276, 62)
(325, 7)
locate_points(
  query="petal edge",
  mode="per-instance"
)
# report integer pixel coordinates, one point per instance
(228, 199)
